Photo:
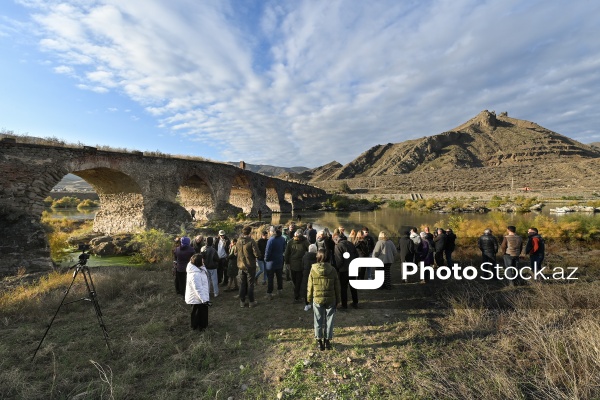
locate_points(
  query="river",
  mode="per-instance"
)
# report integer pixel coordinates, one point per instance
(384, 219)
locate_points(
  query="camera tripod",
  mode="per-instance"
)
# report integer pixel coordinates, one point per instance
(82, 268)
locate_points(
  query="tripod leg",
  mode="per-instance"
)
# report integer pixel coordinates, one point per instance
(56, 313)
(87, 276)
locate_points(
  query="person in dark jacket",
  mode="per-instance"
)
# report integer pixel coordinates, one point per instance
(183, 253)
(232, 268)
(450, 246)
(310, 258)
(439, 243)
(247, 253)
(342, 265)
(274, 262)
(294, 251)
(310, 233)
(262, 246)
(211, 262)
(406, 247)
(222, 245)
(488, 244)
(535, 247)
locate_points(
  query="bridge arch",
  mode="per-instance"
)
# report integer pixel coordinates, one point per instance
(121, 200)
(196, 193)
(240, 195)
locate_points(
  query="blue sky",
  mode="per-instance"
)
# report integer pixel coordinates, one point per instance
(294, 82)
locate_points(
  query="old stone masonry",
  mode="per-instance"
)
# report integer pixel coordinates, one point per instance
(136, 192)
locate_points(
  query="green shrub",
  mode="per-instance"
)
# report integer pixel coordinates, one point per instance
(154, 246)
(396, 203)
(48, 202)
(66, 202)
(88, 203)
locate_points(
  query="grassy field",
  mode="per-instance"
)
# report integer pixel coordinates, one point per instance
(447, 341)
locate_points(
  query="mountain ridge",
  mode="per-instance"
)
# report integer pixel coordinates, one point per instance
(486, 140)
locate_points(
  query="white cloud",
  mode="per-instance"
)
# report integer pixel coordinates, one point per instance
(63, 69)
(312, 81)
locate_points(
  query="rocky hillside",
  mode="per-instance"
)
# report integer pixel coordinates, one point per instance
(485, 141)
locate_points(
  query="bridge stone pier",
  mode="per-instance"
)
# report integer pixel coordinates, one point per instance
(136, 192)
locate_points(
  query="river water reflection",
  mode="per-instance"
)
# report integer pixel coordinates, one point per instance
(391, 220)
(385, 219)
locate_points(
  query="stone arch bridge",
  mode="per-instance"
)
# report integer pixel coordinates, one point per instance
(136, 192)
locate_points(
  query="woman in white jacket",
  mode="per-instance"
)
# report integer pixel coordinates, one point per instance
(197, 292)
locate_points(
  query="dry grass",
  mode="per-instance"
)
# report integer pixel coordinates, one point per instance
(451, 340)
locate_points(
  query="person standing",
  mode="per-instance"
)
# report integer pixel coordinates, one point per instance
(222, 244)
(428, 234)
(247, 253)
(324, 292)
(426, 251)
(294, 252)
(488, 244)
(535, 247)
(211, 262)
(197, 292)
(232, 268)
(262, 246)
(342, 265)
(416, 238)
(274, 262)
(197, 243)
(439, 242)
(371, 243)
(311, 233)
(308, 260)
(511, 247)
(183, 253)
(406, 247)
(193, 214)
(386, 251)
(450, 246)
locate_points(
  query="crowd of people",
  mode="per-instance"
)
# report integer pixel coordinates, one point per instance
(317, 263)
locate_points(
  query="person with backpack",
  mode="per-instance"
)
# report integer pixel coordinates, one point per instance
(535, 247)
(342, 265)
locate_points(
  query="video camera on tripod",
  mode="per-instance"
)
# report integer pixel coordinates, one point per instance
(81, 267)
(83, 257)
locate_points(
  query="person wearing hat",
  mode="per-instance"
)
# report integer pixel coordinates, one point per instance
(294, 252)
(183, 253)
(222, 245)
